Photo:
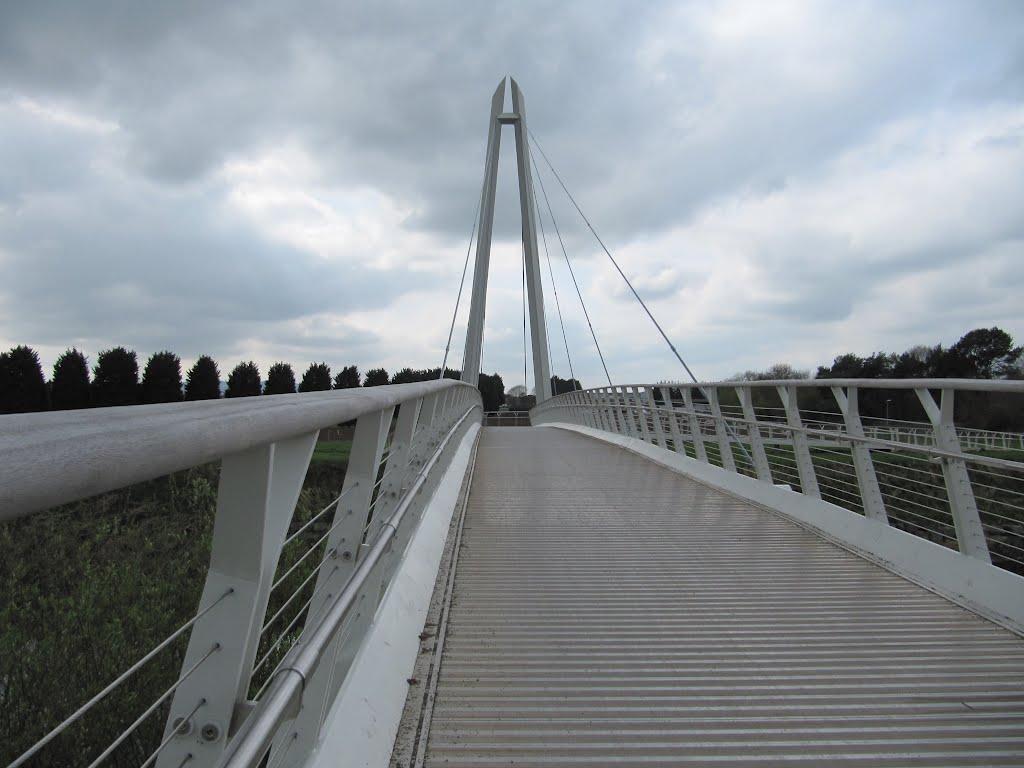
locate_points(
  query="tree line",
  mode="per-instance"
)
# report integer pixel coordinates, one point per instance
(115, 381)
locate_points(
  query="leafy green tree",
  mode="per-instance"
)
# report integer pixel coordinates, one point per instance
(70, 385)
(280, 380)
(317, 378)
(244, 381)
(347, 378)
(22, 386)
(405, 376)
(983, 353)
(376, 377)
(560, 385)
(115, 379)
(161, 380)
(492, 389)
(203, 380)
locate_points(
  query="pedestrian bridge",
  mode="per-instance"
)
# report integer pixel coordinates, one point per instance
(735, 574)
(638, 578)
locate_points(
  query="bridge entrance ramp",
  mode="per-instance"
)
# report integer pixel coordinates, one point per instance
(607, 610)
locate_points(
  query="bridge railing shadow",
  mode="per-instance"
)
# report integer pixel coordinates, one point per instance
(252, 684)
(927, 472)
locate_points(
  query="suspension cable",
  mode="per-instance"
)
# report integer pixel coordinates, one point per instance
(554, 288)
(628, 283)
(572, 274)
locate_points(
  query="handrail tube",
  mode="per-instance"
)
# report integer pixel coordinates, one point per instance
(256, 734)
(58, 457)
(979, 385)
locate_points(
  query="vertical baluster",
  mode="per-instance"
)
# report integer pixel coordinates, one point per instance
(870, 494)
(721, 432)
(764, 472)
(673, 420)
(970, 535)
(656, 416)
(801, 449)
(255, 502)
(625, 424)
(696, 431)
(343, 553)
(640, 409)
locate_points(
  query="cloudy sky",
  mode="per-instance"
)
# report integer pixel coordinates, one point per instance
(783, 181)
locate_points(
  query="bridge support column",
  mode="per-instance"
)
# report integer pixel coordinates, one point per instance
(970, 535)
(534, 285)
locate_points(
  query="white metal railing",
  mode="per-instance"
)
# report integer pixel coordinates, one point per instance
(960, 487)
(405, 436)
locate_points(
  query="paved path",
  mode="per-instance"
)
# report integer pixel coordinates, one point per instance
(607, 610)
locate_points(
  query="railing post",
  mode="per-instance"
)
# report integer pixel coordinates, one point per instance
(344, 549)
(607, 415)
(638, 403)
(764, 472)
(802, 451)
(695, 428)
(624, 411)
(673, 423)
(656, 413)
(256, 499)
(870, 494)
(970, 535)
(724, 444)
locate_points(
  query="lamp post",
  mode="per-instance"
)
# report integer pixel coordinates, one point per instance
(888, 426)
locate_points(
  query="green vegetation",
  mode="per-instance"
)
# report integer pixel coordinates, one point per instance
(333, 452)
(90, 587)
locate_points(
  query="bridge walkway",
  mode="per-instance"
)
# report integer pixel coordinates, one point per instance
(608, 610)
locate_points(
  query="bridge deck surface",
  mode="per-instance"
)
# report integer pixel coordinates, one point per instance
(608, 610)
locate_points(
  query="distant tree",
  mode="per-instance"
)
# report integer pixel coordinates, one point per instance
(317, 378)
(115, 379)
(22, 386)
(347, 378)
(918, 362)
(376, 377)
(203, 380)
(280, 380)
(406, 376)
(560, 385)
(492, 389)
(244, 381)
(775, 372)
(70, 385)
(517, 391)
(161, 380)
(983, 353)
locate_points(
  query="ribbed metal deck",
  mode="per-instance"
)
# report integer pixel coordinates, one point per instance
(607, 610)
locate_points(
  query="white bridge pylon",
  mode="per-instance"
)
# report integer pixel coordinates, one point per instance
(534, 287)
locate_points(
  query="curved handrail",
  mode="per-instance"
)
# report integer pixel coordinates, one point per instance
(58, 457)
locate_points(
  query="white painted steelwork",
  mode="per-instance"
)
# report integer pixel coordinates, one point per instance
(265, 444)
(944, 489)
(534, 286)
(608, 610)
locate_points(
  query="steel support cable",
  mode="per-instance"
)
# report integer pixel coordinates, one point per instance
(465, 268)
(115, 684)
(626, 279)
(572, 274)
(320, 514)
(551, 272)
(152, 708)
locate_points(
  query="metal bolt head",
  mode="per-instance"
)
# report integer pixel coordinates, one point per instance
(346, 555)
(182, 727)
(210, 732)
